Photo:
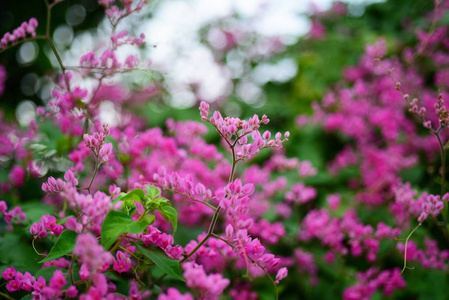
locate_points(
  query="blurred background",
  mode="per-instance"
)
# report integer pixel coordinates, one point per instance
(246, 57)
(237, 50)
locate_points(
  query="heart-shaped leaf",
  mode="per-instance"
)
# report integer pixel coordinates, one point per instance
(116, 223)
(64, 245)
(167, 264)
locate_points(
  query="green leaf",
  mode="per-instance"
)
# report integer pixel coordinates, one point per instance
(119, 197)
(152, 191)
(129, 207)
(17, 251)
(63, 144)
(135, 195)
(172, 215)
(167, 264)
(149, 219)
(38, 147)
(64, 245)
(116, 223)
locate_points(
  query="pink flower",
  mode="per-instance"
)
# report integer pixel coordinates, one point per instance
(174, 294)
(92, 255)
(105, 152)
(3, 207)
(17, 176)
(9, 273)
(282, 273)
(209, 286)
(71, 292)
(58, 280)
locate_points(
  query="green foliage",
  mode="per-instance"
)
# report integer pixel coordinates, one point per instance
(160, 259)
(152, 191)
(64, 245)
(135, 195)
(116, 223)
(17, 251)
(170, 214)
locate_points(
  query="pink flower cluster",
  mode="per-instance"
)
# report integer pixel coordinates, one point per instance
(108, 59)
(430, 258)
(115, 14)
(208, 286)
(234, 200)
(47, 225)
(21, 32)
(432, 206)
(96, 143)
(57, 185)
(161, 239)
(234, 130)
(257, 212)
(122, 262)
(333, 233)
(181, 184)
(13, 216)
(306, 264)
(94, 259)
(38, 287)
(300, 194)
(173, 294)
(93, 209)
(3, 77)
(372, 280)
(122, 38)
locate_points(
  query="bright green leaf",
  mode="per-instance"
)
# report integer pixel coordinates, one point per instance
(149, 219)
(152, 191)
(119, 197)
(135, 195)
(167, 264)
(170, 213)
(64, 245)
(116, 223)
(129, 207)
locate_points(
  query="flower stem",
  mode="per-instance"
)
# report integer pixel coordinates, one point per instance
(405, 249)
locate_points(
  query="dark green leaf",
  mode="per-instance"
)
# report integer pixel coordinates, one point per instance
(64, 245)
(167, 264)
(18, 252)
(116, 223)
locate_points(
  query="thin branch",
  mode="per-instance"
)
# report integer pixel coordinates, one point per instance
(210, 231)
(17, 43)
(97, 166)
(6, 296)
